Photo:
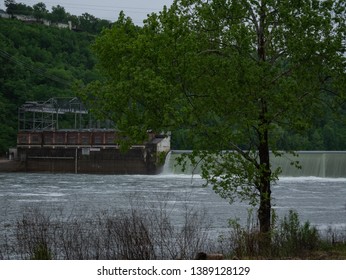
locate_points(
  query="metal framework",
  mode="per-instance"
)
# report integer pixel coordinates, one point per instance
(53, 114)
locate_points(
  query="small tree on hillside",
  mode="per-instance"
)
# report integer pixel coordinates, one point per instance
(58, 14)
(10, 6)
(232, 73)
(40, 10)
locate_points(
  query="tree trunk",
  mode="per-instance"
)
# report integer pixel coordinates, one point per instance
(264, 187)
(263, 184)
(264, 212)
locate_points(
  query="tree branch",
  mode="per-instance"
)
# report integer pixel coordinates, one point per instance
(244, 155)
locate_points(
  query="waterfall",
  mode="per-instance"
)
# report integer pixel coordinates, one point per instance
(171, 164)
(330, 164)
(167, 166)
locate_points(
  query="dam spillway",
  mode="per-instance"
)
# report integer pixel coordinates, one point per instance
(325, 164)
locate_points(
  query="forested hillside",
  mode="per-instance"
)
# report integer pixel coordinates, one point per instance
(324, 134)
(40, 62)
(57, 16)
(37, 63)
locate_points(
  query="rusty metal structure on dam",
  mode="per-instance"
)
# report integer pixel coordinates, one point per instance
(53, 114)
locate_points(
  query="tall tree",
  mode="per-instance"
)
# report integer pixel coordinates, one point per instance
(40, 10)
(232, 72)
(10, 6)
(88, 22)
(58, 14)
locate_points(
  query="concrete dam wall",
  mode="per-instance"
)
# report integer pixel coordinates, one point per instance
(86, 152)
(141, 160)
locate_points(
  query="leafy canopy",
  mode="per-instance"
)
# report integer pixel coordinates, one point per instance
(233, 74)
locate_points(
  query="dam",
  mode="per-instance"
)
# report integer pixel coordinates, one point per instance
(59, 136)
(324, 164)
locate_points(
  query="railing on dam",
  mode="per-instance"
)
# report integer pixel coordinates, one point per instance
(66, 138)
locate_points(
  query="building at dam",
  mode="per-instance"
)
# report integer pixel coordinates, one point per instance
(58, 135)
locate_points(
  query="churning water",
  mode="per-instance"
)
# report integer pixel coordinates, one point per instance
(322, 201)
(317, 192)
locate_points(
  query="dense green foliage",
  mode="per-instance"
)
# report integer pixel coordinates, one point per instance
(37, 63)
(241, 76)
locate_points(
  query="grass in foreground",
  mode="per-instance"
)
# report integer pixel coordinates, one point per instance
(150, 234)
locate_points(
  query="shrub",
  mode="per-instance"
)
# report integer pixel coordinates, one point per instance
(143, 232)
(289, 238)
(292, 239)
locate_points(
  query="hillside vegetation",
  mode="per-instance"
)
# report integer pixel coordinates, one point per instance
(37, 63)
(40, 62)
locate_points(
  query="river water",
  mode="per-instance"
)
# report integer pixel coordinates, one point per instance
(322, 201)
